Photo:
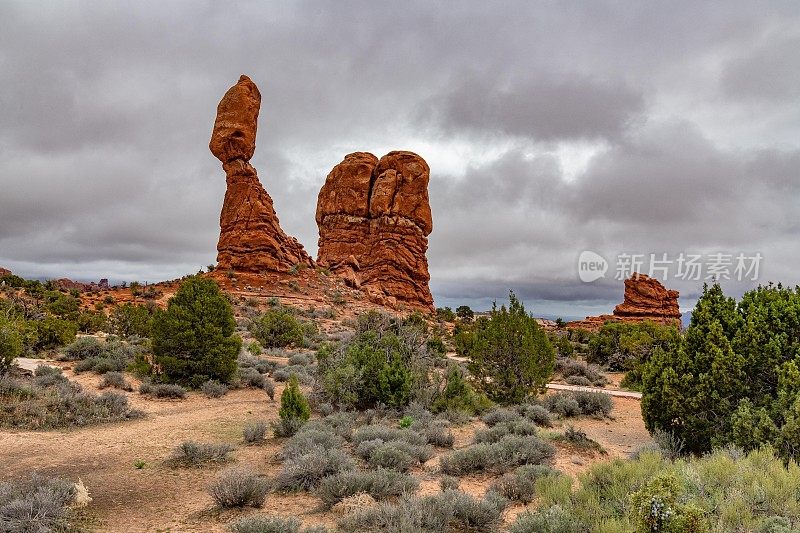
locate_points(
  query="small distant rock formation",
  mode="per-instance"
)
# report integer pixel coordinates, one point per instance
(4, 272)
(251, 238)
(648, 299)
(374, 219)
(645, 299)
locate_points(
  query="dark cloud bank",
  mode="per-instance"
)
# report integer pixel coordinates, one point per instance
(550, 129)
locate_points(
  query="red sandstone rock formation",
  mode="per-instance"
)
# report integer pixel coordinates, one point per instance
(4, 272)
(251, 238)
(645, 299)
(374, 219)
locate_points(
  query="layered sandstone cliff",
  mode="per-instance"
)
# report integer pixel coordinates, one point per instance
(374, 219)
(251, 238)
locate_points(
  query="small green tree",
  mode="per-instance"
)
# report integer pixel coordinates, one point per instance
(692, 389)
(193, 340)
(465, 312)
(510, 355)
(277, 328)
(10, 345)
(294, 405)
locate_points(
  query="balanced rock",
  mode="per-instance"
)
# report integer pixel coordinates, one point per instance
(251, 238)
(647, 298)
(374, 219)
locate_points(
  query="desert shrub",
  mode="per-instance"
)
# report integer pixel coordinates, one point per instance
(59, 404)
(388, 455)
(448, 483)
(250, 377)
(551, 519)
(36, 504)
(116, 380)
(386, 434)
(304, 472)
(447, 511)
(52, 332)
(520, 485)
(263, 366)
(510, 355)
(457, 394)
(255, 432)
(571, 368)
(214, 389)
(578, 380)
(190, 453)
(128, 320)
(498, 431)
(283, 373)
(82, 348)
(47, 376)
(271, 524)
(341, 423)
(439, 435)
(239, 487)
(301, 359)
(509, 452)
(277, 328)
(379, 483)
(193, 340)
(386, 363)
(310, 438)
(562, 404)
(11, 345)
(597, 404)
(623, 346)
(537, 414)
(163, 390)
(269, 388)
(500, 415)
(286, 427)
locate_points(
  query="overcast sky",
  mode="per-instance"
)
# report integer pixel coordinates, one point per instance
(550, 128)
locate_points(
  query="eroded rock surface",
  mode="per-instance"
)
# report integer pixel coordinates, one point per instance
(251, 238)
(374, 219)
(647, 298)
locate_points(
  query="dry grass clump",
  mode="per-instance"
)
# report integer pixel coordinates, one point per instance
(239, 487)
(36, 504)
(192, 454)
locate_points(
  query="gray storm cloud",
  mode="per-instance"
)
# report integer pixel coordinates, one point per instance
(550, 129)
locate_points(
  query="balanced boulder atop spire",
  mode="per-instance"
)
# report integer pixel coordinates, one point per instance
(251, 238)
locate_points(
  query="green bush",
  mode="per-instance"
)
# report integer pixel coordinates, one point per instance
(53, 332)
(277, 328)
(293, 404)
(11, 345)
(386, 362)
(129, 320)
(458, 394)
(510, 355)
(214, 389)
(193, 340)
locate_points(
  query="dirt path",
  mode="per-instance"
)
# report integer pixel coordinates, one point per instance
(611, 392)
